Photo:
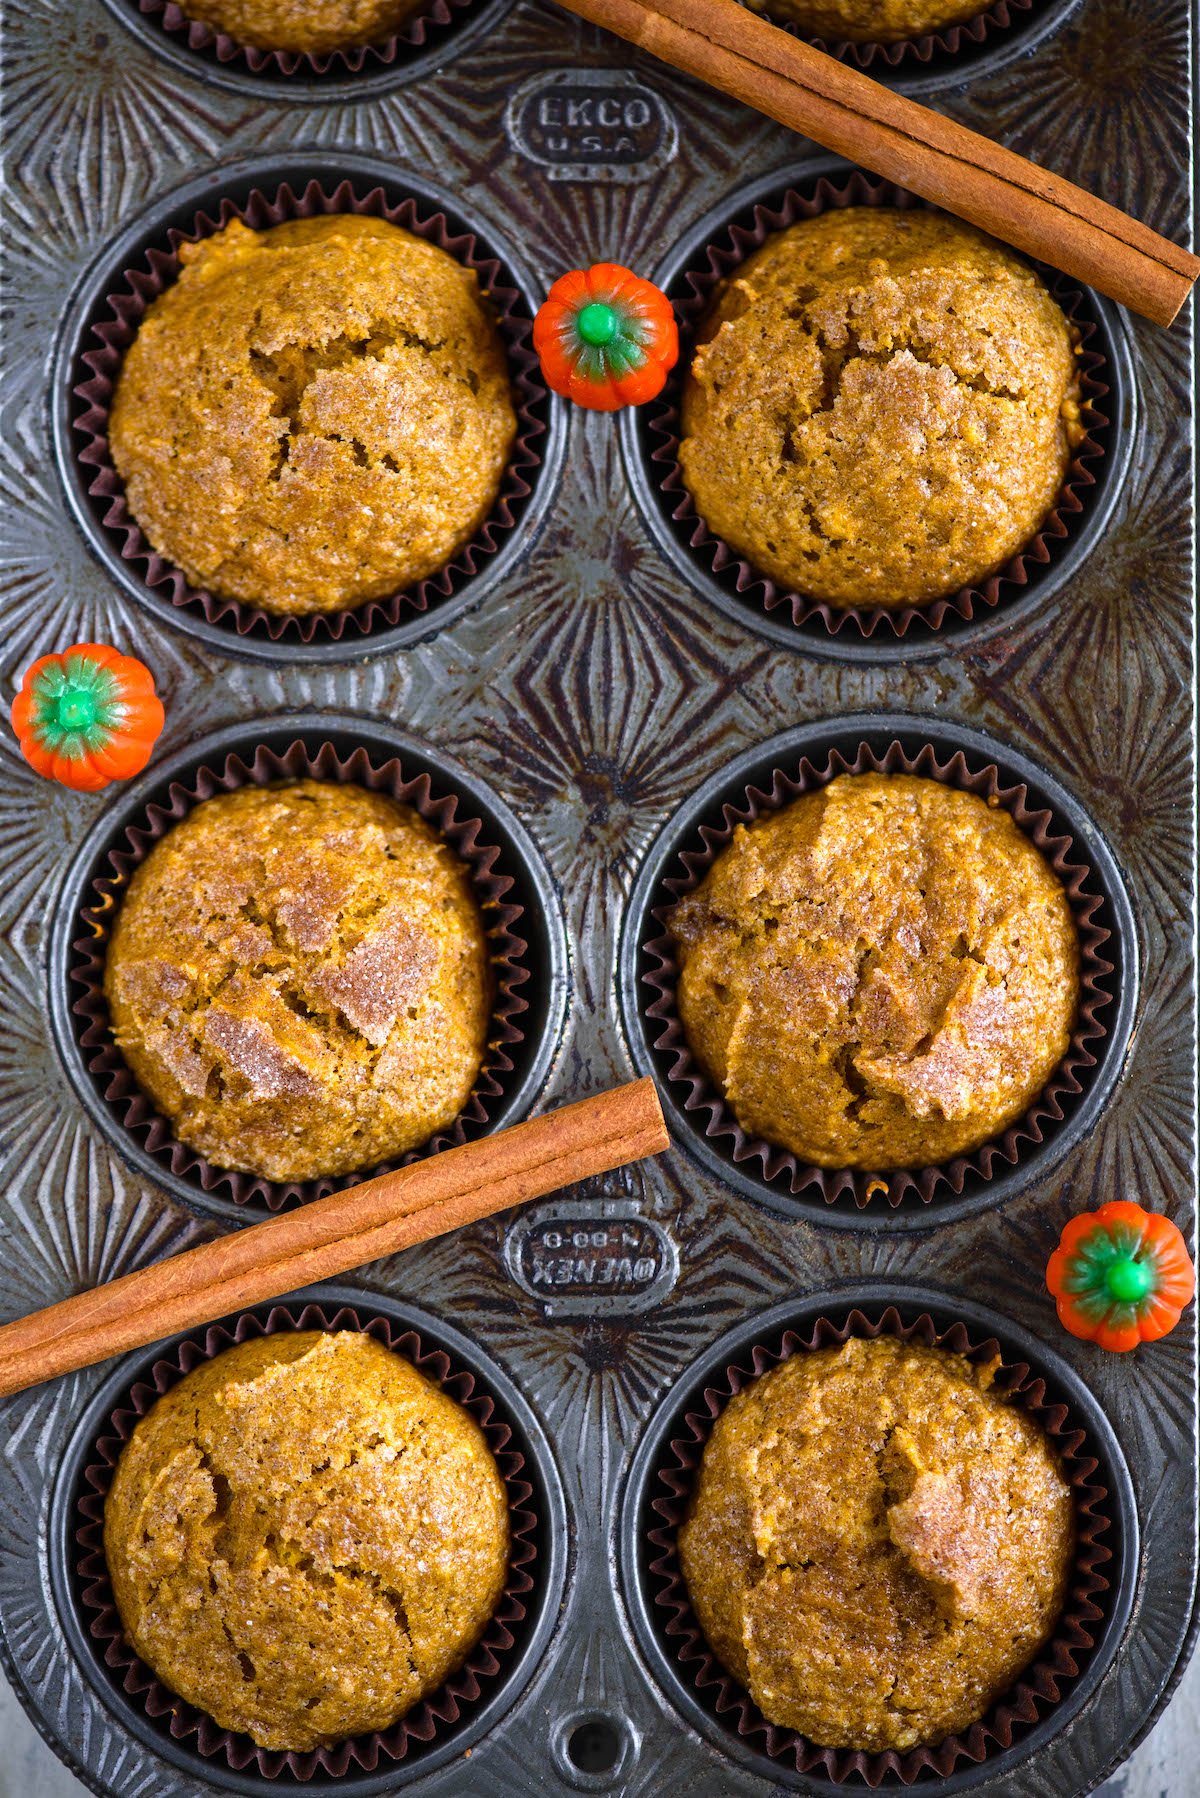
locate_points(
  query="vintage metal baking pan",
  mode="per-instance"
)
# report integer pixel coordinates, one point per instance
(596, 685)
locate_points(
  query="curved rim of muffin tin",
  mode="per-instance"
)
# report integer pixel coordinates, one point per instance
(920, 643)
(909, 75)
(444, 44)
(879, 728)
(177, 209)
(544, 1602)
(634, 1519)
(542, 923)
(972, 62)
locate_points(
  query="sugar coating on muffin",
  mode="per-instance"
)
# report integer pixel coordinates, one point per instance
(883, 974)
(870, 21)
(314, 415)
(877, 1544)
(305, 1537)
(881, 409)
(307, 25)
(299, 978)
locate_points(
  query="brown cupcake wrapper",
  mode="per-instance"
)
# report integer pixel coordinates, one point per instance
(431, 1716)
(723, 257)
(1095, 976)
(509, 950)
(411, 34)
(1040, 1686)
(950, 41)
(141, 285)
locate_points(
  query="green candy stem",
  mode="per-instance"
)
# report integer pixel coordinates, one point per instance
(1128, 1281)
(76, 710)
(597, 324)
(78, 707)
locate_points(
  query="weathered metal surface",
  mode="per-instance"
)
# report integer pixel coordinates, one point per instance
(594, 689)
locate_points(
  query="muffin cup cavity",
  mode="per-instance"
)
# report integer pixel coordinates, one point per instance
(128, 289)
(433, 1718)
(763, 784)
(869, 631)
(1097, 1598)
(509, 897)
(432, 27)
(932, 50)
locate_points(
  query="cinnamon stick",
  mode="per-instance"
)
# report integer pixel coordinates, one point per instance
(332, 1235)
(722, 43)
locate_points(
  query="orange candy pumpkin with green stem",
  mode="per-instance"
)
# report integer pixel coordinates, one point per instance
(1120, 1276)
(606, 338)
(87, 716)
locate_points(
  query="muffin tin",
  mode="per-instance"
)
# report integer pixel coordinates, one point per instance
(1062, 1678)
(1011, 26)
(435, 29)
(519, 907)
(769, 777)
(591, 696)
(712, 252)
(439, 1729)
(103, 319)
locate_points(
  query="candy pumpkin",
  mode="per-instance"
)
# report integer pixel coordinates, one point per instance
(87, 717)
(1120, 1276)
(606, 338)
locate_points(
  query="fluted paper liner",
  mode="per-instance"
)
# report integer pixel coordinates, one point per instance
(433, 1716)
(713, 1116)
(948, 41)
(431, 18)
(139, 285)
(413, 33)
(714, 555)
(445, 812)
(1041, 1685)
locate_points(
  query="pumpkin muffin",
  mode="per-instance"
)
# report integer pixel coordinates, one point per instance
(313, 415)
(877, 1544)
(298, 977)
(307, 25)
(305, 1537)
(869, 21)
(884, 974)
(881, 409)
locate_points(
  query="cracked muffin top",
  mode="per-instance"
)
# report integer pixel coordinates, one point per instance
(305, 1536)
(314, 415)
(299, 978)
(884, 974)
(307, 25)
(877, 1544)
(881, 409)
(869, 21)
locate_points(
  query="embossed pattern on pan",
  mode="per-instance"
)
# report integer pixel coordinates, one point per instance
(768, 781)
(596, 689)
(1071, 530)
(510, 901)
(1100, 1591)
(124, 290)
(437, 1726)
